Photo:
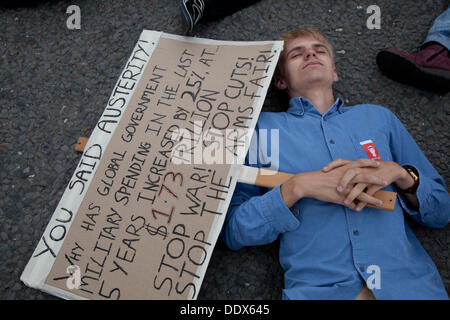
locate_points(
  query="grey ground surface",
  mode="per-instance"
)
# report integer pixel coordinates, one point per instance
(55, 82)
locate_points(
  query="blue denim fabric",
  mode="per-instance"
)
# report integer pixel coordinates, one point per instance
(440, 31)
(326, 249)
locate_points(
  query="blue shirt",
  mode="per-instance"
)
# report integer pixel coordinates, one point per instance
(327, 250)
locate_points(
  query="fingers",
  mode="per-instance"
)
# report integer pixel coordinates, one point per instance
(346, 178)
(358, 198)
(365, 163)
(354, 193)
(356, 175)
(361, 195)
(360, 163)
(335, 164)
(372, 189)
(358, 183)
(365, 199)
(360, 206)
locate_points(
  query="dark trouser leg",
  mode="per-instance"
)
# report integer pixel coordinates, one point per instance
(216, 9)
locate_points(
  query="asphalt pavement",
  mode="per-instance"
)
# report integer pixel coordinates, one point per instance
(55, 83)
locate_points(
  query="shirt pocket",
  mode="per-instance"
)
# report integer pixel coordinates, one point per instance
(380, 140)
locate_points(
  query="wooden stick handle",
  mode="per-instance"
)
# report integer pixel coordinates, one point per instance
(270, 179)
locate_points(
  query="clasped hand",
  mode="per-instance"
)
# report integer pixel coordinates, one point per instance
(360, 180)
(345, 182)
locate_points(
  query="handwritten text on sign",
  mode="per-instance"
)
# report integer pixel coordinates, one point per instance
(143, 228)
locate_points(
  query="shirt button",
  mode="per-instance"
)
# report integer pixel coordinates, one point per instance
(332, 141)
(355, 232)
(361, 269)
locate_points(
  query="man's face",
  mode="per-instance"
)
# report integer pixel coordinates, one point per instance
(308, 64)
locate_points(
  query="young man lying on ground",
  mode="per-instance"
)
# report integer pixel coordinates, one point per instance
(330, 242)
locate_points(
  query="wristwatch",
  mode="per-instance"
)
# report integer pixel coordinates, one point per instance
(415, 175)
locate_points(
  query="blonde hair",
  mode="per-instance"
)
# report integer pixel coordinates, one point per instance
(301, 33)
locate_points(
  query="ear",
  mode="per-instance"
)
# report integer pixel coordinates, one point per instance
(335, 75)
(280, 83)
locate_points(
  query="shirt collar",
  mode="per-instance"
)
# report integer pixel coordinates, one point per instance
(299, 106)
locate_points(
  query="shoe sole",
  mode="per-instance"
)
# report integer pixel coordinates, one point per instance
(405, 71)
(188, 24)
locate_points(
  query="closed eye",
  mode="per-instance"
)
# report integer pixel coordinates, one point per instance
(296, 54)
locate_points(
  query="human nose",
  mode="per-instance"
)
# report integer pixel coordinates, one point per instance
(310, 53)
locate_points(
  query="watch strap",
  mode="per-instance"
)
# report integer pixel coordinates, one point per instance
(415, 175)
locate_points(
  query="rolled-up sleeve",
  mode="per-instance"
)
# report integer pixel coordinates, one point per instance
(434, 204)
(434, 200)
(255, 219)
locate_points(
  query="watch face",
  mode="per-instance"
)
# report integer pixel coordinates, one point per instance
(413, 173)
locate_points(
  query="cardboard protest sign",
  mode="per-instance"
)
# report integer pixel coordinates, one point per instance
(142, 212)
